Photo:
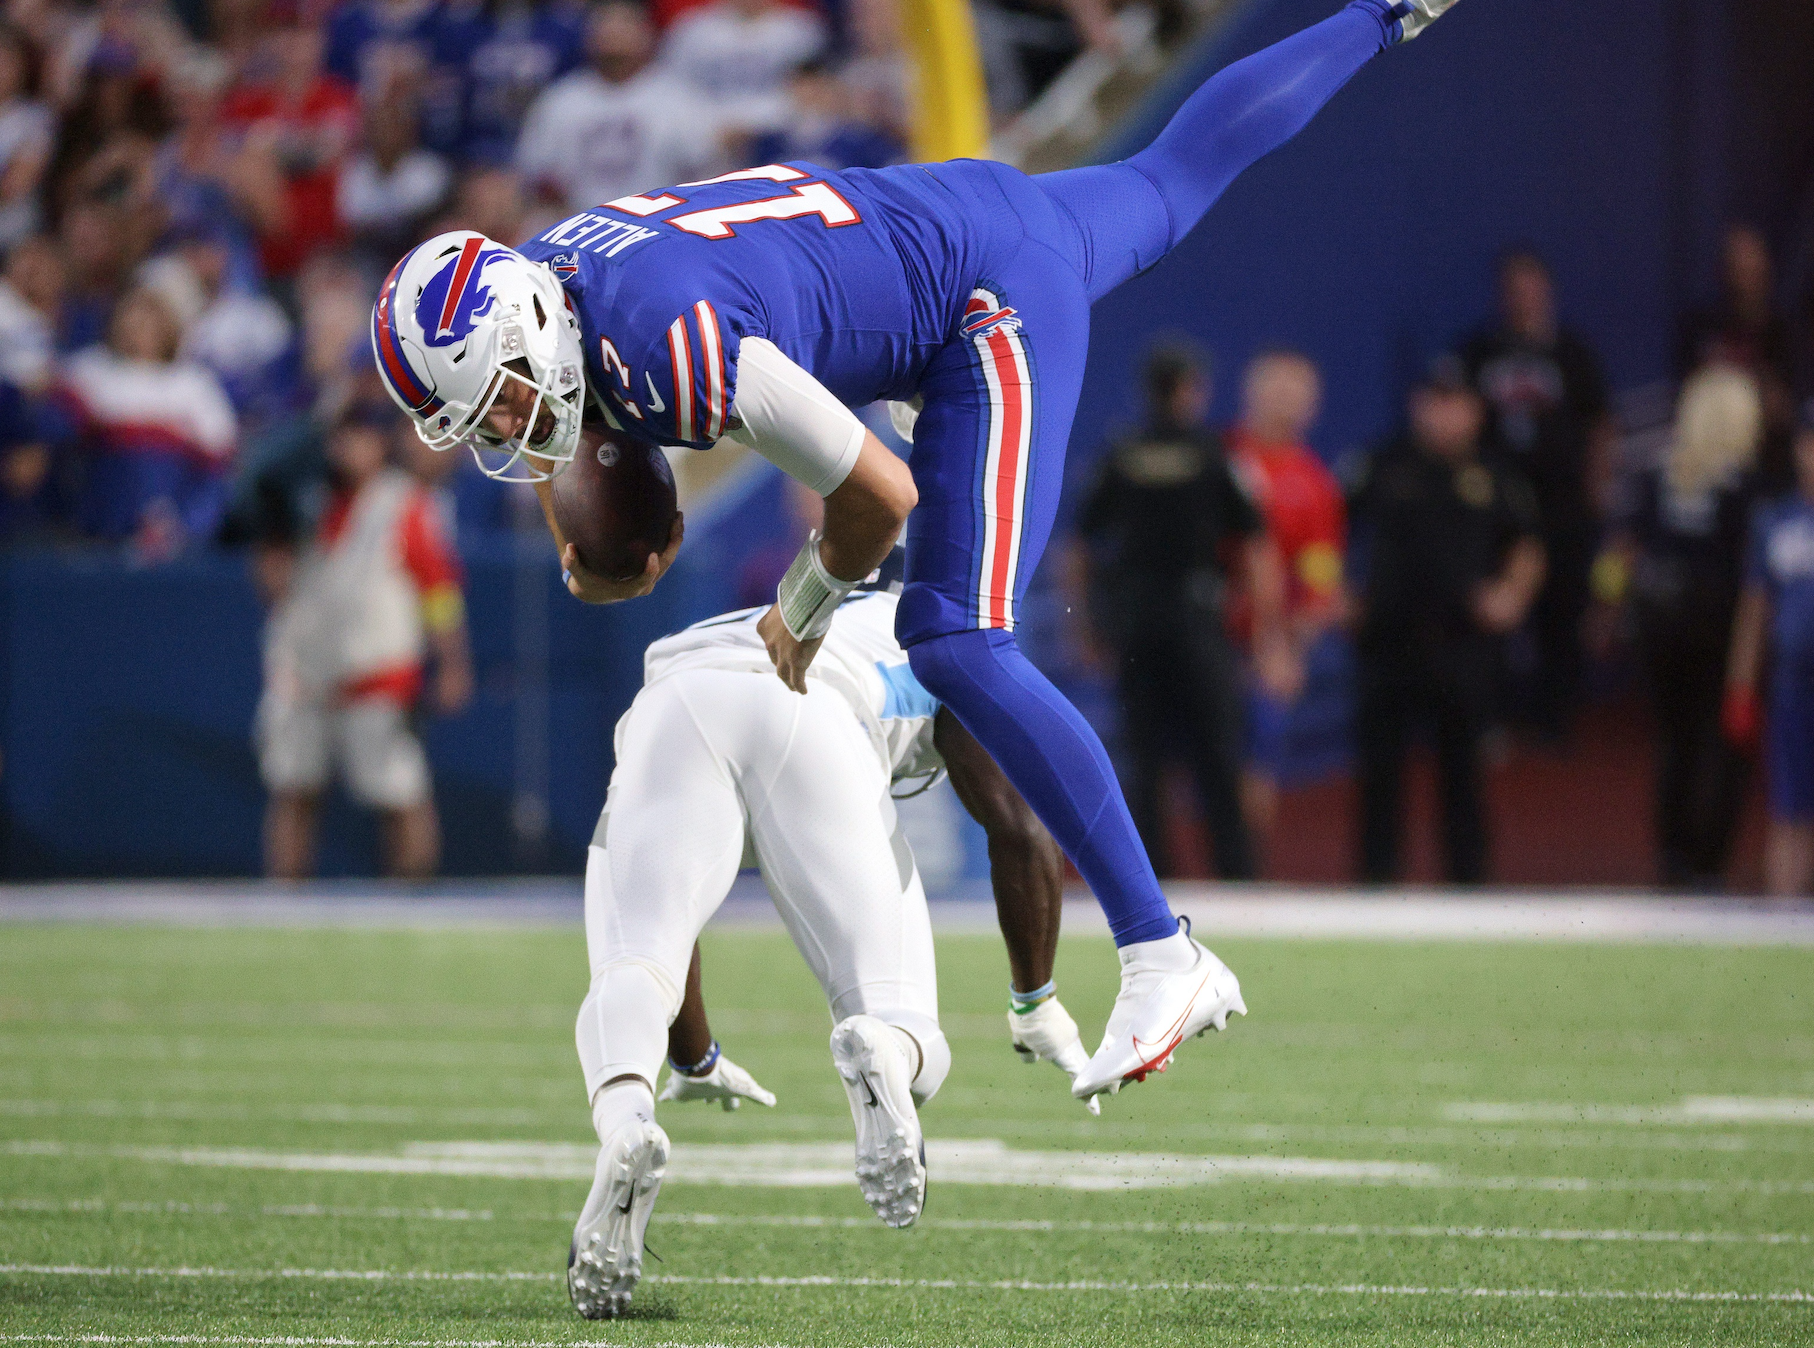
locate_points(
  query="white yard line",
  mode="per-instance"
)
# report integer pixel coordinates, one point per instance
(1694, 1109)
(258, 1048)
(982, 1161)
(321, 1112)
(178, 1208)
(926, 1284)
(1475, 1125)
(1040, 1226)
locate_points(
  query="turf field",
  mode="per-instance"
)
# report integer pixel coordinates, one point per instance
(246, 1136)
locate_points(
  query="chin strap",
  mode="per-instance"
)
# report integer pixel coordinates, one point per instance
(809, 595)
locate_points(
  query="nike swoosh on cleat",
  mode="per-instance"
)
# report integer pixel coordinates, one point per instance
(1175, 1030)
(874, 1103)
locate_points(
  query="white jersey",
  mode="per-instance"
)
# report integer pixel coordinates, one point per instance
(600, 140)
(740, 63)
(860, 659)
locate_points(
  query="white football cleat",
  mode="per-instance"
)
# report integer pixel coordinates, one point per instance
(1416, 15)
(891, 1155)
(604, 1262)
(1048, 1034)
(727, 1083)
(1158, 1009)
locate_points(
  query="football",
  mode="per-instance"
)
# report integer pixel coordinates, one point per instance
(615, 502)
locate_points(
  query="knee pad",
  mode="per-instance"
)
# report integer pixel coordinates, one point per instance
(623, 1023)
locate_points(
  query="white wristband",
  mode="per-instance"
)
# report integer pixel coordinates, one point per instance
(809, 595)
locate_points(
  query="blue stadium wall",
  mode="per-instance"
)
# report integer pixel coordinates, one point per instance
(1592, 131)
(129, 696)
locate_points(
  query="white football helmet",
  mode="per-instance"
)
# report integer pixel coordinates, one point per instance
(452, 321)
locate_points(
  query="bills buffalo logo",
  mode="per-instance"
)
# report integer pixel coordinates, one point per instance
(565, 266)
(983, 314)
(456, 296)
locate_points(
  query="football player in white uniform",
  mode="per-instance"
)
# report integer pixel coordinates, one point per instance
(720, 765)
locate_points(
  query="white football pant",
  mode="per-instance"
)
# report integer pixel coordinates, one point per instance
(705, 758)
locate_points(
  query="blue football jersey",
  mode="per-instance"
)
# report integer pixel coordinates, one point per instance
(857, 276)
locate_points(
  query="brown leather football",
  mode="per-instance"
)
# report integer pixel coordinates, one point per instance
(615, 502)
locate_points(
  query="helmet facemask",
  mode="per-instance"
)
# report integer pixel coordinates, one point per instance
(529, 340)
(559, 395)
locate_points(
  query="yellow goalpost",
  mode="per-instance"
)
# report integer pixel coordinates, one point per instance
(950, 108)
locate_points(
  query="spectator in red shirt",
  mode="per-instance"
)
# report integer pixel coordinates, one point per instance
(297, 122)
(354, 618)
(1303, 507)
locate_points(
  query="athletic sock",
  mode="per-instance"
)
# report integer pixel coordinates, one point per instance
(619, 1102)
(1056, 761)
(916, 1057)
(1170, 954)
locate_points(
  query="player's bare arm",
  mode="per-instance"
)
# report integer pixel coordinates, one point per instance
(697, 1067)
(1026, 872)
(863, 517)
(1026, 869)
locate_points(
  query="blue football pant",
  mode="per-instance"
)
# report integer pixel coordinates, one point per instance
(999, 397)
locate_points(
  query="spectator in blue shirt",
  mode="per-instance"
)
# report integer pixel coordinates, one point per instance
(31, 503)
(1776, 616)
(507, 53)
(824, 127)
(372, 43)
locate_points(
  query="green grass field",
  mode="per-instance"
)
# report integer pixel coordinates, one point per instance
(228, 1136)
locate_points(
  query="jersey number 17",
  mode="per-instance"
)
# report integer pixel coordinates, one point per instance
(717, 222)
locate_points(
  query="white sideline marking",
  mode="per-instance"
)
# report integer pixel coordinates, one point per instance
(293, 1341)
(952, 1161)
(1042, 1225)
(928, 1284)
(1692, 1109)
(1265, 911)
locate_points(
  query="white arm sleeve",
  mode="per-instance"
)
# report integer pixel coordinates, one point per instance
(792, 420)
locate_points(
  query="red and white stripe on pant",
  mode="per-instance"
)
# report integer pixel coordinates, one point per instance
(1008, 377)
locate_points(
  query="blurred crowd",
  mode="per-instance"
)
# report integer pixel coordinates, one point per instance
(1471, 567)
(199, 197)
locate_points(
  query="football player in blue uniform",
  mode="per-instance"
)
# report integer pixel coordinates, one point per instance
(763, 304)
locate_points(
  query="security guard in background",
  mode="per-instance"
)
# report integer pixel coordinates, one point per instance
(1455, 562)
(1168, 518)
